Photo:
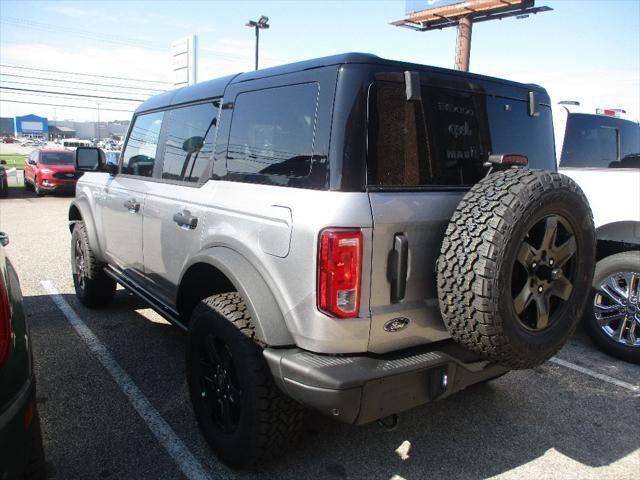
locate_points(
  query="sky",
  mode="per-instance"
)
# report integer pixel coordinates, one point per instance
(587, 51)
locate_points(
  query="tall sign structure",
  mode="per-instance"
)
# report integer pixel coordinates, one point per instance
(425, 15)
(184, 53)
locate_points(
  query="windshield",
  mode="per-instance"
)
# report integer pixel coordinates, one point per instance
(56, 159)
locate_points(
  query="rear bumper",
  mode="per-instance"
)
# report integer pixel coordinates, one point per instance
(359, 389)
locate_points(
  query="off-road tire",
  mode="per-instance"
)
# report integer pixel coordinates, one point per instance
(478, 260)
(93, 287)
(269, 421)
(620, 262)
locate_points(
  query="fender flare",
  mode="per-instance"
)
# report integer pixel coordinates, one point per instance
(625, 232)
(81, 205)
(270, 326)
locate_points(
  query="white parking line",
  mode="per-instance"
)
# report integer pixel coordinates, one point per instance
(591, 373)
(185, 460)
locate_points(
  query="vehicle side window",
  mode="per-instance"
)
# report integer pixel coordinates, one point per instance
(272, 135)
(140, 153)
(189, 144)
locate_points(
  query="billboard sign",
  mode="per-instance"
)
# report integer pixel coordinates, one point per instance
(418, 5)
(185, 61)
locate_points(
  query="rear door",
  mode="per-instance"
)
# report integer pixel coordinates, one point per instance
(175, 205)
(423, 155)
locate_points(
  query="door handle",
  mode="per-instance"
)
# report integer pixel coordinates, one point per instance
(132, 206)
(398, 266)
(185, 220)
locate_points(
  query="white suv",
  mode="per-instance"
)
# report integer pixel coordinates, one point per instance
(601, 152)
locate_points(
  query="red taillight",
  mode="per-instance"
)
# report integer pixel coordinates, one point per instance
(339, 272)
(5, 323)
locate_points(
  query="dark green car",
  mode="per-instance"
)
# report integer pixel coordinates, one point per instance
(21, 453)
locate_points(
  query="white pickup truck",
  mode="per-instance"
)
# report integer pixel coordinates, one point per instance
(601, 152)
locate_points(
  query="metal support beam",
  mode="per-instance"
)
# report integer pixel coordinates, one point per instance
(463, 45)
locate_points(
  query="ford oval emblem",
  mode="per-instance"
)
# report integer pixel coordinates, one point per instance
(396, 324)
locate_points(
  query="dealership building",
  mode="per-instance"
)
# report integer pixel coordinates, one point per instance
(32, 126)
(40, 127)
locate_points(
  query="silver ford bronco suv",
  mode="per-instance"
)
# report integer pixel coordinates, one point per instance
(349, 234)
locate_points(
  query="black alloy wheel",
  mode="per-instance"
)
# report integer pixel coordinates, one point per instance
(544, 273)
(219, 384)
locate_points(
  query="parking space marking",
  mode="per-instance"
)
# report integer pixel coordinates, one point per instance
(183, 457)
(591, 373)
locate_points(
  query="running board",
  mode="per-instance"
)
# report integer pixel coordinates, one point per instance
(166, 312)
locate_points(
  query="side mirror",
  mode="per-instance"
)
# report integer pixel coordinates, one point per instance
(193, 144)
(89, 159)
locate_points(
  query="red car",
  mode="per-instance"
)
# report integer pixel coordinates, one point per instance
(50, 170)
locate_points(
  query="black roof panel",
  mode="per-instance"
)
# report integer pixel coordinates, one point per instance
(216, 87)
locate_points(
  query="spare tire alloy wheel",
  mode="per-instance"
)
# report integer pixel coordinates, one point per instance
(544, 272)
(516, 265)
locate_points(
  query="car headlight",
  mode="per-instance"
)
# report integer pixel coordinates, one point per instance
(46, 171)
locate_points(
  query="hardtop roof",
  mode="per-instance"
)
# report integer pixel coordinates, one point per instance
(216, 87)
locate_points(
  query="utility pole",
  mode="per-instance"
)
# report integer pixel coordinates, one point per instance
(261, 23)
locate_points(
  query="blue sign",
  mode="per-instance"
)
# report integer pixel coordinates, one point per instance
(32, 124)
(417, 5)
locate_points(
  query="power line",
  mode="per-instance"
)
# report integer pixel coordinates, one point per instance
(81, 33)
(84, 89)
(71, 94)
(20, 67)
(67, 106)
(64, 80)
(65, 98)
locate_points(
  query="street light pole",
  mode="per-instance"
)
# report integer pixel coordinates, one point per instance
(261, 23)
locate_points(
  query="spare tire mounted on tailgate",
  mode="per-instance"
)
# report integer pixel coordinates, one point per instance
(515, 262)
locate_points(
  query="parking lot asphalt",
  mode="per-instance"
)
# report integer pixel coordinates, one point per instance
(552, 422)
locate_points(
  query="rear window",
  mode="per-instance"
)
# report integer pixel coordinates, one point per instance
(272, 135)
(60, 158)
(444, 139)
(596, 141)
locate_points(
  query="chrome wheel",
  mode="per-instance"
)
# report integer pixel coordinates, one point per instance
(543, 273)
(80, 264)
(616, 307)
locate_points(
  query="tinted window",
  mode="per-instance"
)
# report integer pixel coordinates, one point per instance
(272, 133)
(140, 154)
(56, 159)
(589, 141)
(440, 140)
(444, 139)
(190, 134)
